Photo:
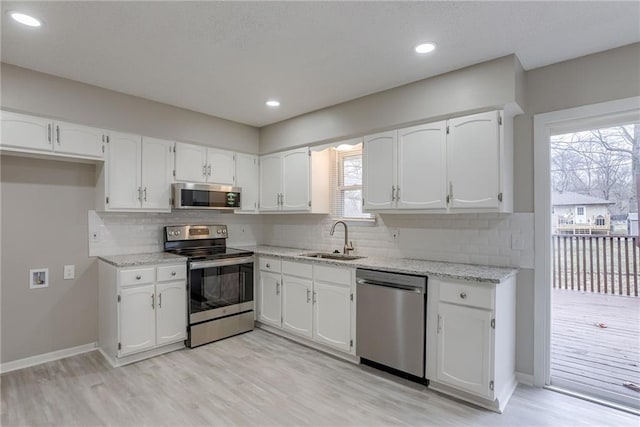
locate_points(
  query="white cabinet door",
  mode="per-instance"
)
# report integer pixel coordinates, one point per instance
(332, 315)
(26, 132)
(465, 348)
(248, 179)
(295, 180)
(221, 166)
(156, 174)
(137, 319)
(270, 180)
(297, 313)
(421, 180)
(191, 162)
(171, 312)
(124, 189)
(270, 306)
(379, 162)
(84, 141)
(473, 150)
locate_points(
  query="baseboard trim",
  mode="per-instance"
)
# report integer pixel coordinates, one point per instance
(525, 379)
(27, 362)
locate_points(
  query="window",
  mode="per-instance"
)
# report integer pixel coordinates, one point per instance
(347, 180)
(600, 220)
(580, 210)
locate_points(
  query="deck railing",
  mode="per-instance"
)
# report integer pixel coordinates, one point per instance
(599, 264)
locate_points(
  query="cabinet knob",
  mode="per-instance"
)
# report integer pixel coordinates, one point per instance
(268, 265)
(138, 277)
(173, 273)
(463, 295)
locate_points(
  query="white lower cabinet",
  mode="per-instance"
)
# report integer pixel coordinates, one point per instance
(311, 301)
(471, 340)
(142, 311)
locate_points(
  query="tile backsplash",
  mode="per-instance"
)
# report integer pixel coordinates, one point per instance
(486, 239)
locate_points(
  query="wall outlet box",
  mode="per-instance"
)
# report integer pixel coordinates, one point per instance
(69, 272)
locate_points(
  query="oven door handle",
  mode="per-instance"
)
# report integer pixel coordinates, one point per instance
(199, 265)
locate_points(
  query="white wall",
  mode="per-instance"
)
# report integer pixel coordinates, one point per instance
(491, 84)
(42, 94)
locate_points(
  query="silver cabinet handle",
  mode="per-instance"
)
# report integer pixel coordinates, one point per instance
(277, 288)
(160, 300)
(138, 277)
(463, 295)
(315, 297)
(139, 194)
(49, 133)
(439, 323)
(308, 296)
(393, 193)
(268, 265)
(145, 194)
(173, 273)
(209, 169)
(153, 301)
(398, 193)
(58, 134)
(451, 190)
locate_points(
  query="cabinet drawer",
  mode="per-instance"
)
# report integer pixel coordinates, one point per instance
(332, 274)
(297, 269)
(137, 276)
(270, 264)
(172, 273)
(480, 295)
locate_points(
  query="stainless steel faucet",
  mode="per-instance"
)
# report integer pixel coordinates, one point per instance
(348, 246)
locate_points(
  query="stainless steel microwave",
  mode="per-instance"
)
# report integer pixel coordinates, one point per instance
(205, 196)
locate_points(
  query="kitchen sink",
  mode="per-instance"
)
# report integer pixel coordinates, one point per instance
(335, 256)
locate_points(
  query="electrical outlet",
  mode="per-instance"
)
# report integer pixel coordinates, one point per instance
(69, 272)
(395, 233)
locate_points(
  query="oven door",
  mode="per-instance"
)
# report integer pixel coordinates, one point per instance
(220, 288)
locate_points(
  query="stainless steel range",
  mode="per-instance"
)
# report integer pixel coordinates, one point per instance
(220, 281)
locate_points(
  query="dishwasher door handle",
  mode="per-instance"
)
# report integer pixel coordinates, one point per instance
(414, 289)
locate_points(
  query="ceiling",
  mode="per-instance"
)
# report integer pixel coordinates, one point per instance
(227, 58)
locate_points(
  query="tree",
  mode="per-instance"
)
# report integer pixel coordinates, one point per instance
(601, 162)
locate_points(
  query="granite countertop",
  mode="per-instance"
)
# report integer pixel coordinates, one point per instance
(445, 270)
(132, 260)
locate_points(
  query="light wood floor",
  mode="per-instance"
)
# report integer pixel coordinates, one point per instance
(260, 379)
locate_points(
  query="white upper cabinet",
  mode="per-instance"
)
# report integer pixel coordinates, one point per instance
(459, 165)
(405, 169)
(156, 174)
(28, 134)
(474, 165)
(196, 163)
(270, 182)
(248, 179)
(421, 167)
(136, 175)
(379, 170)
(295, 180)
(123, 187)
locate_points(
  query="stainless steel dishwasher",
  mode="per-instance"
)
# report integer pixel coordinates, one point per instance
(390, 320)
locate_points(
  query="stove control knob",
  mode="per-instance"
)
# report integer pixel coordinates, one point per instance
(219, 231)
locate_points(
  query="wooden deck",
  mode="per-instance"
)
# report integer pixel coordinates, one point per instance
(584, 352)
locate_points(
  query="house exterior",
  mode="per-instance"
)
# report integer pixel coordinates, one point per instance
(574, 213)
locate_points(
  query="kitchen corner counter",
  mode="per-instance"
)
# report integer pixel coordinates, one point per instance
(132, 260)
(445, 270)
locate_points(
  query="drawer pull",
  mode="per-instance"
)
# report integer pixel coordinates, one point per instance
(268, 265)
(463, 295)
(138, 277)
(173, 273)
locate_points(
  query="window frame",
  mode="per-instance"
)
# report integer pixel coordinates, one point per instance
(339, 188)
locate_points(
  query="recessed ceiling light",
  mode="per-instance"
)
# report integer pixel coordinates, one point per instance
(272, 103)
(24, 19)
(425, 47)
